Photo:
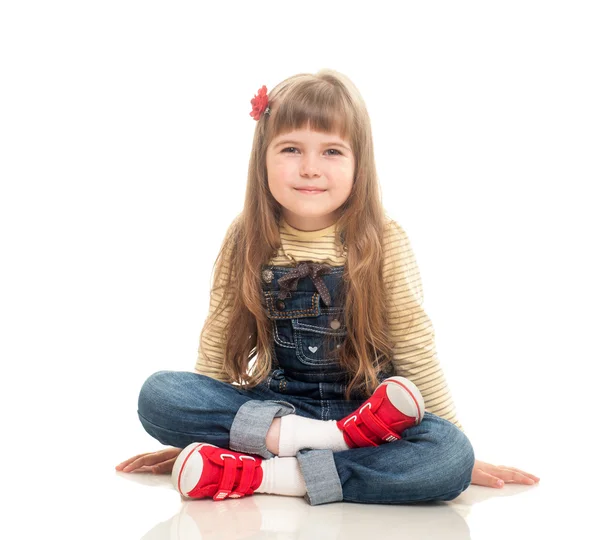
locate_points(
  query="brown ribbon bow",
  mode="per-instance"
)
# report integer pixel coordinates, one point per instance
(289, 282)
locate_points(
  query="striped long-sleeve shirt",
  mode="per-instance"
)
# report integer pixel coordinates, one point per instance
(414, 350)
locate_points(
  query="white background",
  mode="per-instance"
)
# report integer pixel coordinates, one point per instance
(124, 143)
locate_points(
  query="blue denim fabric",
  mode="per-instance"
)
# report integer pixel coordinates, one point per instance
(432, 461)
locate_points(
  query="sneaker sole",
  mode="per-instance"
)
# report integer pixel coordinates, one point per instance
(409, 399)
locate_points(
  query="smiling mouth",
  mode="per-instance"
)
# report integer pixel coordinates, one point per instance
(311, 191)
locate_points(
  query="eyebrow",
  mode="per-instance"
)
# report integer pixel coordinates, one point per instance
(298, 143)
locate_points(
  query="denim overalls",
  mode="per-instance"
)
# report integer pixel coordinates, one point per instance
(432, 461)
(302, 319)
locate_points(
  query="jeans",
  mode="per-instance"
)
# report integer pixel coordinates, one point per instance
(432, 461)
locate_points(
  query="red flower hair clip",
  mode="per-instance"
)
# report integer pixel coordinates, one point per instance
(260, 103)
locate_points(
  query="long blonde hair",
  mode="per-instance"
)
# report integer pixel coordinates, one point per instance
(328, 102)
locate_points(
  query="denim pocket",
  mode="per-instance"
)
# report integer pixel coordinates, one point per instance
(283, 333)
(318, 338)
(282, 311)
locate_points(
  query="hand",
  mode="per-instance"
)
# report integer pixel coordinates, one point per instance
(485, 474)
(156, 462)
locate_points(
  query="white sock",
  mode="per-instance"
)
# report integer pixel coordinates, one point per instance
(298, 432)
(282, 476)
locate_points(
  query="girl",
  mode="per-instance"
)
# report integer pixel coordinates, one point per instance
(345, 399)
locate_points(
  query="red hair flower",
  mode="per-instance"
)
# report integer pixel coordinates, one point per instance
(259, 103)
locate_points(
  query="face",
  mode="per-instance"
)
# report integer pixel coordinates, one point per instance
(302, 159)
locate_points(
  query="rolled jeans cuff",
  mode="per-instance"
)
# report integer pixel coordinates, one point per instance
(248, 432)
(320, 476)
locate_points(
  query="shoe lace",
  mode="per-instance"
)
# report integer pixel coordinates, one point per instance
(228, 479)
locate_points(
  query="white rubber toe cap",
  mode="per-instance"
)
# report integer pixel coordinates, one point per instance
(405, 396)
(187, 468)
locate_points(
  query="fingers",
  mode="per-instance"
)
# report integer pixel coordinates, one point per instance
(127, 462)
(158, 462)
(481, 478)
(165, 467)
(147, 459)
(140, 460)
(503, 475)
(528, 475)
(486, 474)
(515, 476)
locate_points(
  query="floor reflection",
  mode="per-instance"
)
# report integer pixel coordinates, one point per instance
(266, 516)
(275, 517)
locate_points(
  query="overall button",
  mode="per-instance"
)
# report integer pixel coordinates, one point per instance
(267, 275)
(280, 305)
(335, 324)
(278, 374)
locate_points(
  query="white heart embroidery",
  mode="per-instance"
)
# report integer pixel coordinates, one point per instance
(313, 349)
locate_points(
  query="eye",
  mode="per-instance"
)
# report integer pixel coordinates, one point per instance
(285, 150)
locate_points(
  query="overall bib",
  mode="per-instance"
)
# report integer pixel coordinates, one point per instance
(432, 461)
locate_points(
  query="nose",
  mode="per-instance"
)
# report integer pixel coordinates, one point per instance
(309, 166)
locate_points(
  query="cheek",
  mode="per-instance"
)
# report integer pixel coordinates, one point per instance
(345, 179)
(278, 183)
(282, 179)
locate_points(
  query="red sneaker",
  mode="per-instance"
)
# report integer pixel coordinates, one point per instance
(395, 405)
(204, 470)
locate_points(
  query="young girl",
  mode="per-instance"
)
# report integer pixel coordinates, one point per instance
(345, 399)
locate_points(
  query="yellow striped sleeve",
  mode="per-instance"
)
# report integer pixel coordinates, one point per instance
(211, 349)
(415, 355)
